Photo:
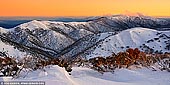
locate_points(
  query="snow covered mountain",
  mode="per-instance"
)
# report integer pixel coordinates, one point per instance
(96, 37)
(145, 39)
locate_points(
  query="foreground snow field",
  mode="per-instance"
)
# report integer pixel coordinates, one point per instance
(54, 75)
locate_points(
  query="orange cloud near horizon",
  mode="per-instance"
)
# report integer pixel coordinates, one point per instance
(83, 7)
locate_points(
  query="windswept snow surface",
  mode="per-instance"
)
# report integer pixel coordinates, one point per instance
(55, 75)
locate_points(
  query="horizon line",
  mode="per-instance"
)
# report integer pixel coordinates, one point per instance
(48, 17)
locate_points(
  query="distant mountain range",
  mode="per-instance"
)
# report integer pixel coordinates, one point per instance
(94, 37)
(10, 22)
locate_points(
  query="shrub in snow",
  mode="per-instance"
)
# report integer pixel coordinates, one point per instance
(162, 61)
(164, 64)
(8, 65)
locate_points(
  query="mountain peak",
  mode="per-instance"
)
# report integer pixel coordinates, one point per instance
(3, 30)
(32, 25)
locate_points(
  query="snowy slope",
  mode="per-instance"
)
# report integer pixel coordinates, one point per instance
(8, 48)
(3, 30)
(11, 50)
(84, 76)
(141, 38)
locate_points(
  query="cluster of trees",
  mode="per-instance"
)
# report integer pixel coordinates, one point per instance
(131, 57)
(10, 66)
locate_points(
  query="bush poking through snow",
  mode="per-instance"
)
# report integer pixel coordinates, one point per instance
(8, 65)
(163, 62)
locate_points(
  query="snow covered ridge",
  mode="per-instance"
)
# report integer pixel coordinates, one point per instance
(145, 39)
(103, 24)
(3, 30)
